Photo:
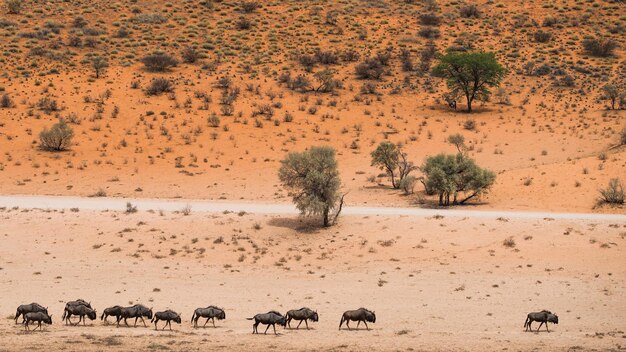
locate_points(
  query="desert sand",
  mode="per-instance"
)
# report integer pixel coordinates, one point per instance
(435, 283)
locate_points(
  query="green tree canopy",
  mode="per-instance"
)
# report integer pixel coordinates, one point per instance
(470, 74)
(312, 179)
(390, 158)
(457, 175)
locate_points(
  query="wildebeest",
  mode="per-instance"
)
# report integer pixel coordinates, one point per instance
(114, 311)
(451, 102)
(166, 316)
(544, 317)
(39, 317)
(270, 318)
(78, 302)
(137, 311)
(29, 308)
(360, 315)
(81, 311)
(302, 314)
(210, 313)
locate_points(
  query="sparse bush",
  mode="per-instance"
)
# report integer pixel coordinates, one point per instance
(190, 55)
(407, 184)
(371, 68)
(509, 242)
(613, 194)
(429, 19)
(14, 7)
(622, 136)
(79, 22)
(612, 92)
(429, 33)
(542, 37)
(600, 47)
(159, 85)
(57, 138)
(326, 57)
(243, 23)
(469, 11)
(159, 62)
(48, 105)
(249, 6)
(214, 121)
(549, 21)
(99, 64)
(6, 101)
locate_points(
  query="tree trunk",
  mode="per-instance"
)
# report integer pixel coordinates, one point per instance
(469, 104)
(326, 220)
(613, 104)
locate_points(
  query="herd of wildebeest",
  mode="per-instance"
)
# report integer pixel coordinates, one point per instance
(36, 313)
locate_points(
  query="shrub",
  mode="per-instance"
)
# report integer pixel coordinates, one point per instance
(6, 101)
(150, 18)
(14, 7)
(243, 23)
(429, 33)
(622, 136)
(549, 21)
(79, 22)
(48, 105)
(326, 57)
(158, 62)
(407, 184)
(190, 55)
(158, 86)
(429, 19)
(599, 47)
(57, 138)
(371, 68)
(308, 62)
(542, 37)
(468, 11)
(613, 194)
(214, 121)
(249, 6)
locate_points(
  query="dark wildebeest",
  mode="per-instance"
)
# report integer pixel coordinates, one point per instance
(210, 313)
(451, 102)
(544, 317)
(302, 314)
(360, 315)
(114, 311)
(81, 311)
(78, 302)
(39, 317)
(270, 318)
(166, 316)
(29, 308)
(137, 311)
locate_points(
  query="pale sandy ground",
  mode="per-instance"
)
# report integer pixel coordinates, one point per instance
(435, 283)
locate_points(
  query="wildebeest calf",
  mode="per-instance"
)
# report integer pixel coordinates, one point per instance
(166, 316)
(114, 311)
(29, 308)
(81, 311)
(210, 313)
(39, 317)
(137, 311)
(544, 317)
(270, 318)
(302, 314)
(359, 315)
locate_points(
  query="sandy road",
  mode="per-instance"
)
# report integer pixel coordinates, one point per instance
(87, 203)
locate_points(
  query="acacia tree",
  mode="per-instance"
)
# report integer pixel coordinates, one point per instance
(390, 158)
(451, 176)
(470, 74)
(312, 179)
(612, 92)
(99, 64)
